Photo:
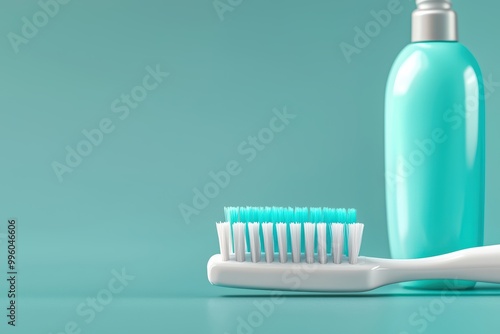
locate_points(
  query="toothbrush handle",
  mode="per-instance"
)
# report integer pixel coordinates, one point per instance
(474, 264)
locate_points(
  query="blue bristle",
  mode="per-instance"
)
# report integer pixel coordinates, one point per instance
(243, 214)
(288, 215)
(253, 217)
(301, 215)
(351, 216)
(277, 214)
(342, 218)
(341, 215)
(265, 214)
(280, 214)
(253, 214)
(265, 217)
(316, 215)
(245, 218)
(330, 215)
(231, 214)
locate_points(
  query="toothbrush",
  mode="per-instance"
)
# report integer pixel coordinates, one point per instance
(329, 270)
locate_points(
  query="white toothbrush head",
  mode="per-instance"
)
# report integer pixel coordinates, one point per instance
(279, 255)
(302, 276)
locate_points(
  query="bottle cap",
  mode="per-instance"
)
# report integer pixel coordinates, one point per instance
(434, 20)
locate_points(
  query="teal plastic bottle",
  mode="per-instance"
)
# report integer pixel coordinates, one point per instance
(434, 143)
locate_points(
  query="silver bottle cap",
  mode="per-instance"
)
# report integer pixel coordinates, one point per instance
(434, 20)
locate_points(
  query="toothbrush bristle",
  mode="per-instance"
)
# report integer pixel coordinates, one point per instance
(316, 215)
(232, 214)
(267, 229)
(321, 229)
(295, 231)
(309, 229)
(282, 232)
(253, 214)
(224, 239)
(351, 216)
(239, 241)
(288, 215)
(277, 214)
(301, 215)
(355, 234)
(265, 214)
(341, 215)
(330, 215)
(337, 231)
(288, 218)
(244, 215)
(254, 232)
(259, 234)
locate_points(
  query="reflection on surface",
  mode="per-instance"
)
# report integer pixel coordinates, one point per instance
(410, 68)
(387, 310)
(471, 115)
(390, 309)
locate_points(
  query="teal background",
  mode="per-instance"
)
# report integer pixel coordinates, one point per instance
(120, 207)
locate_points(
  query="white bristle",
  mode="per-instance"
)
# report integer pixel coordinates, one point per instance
(309, 229)
(337, 230)
(295, 233)
(267, 230)
(247, 241)
(282, 241)
(223, 231)
(321, 228)
(239, 241)
(253, 230)
(354, 242)
(231, 240)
